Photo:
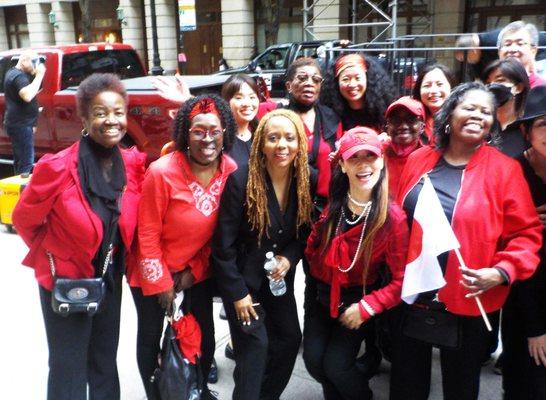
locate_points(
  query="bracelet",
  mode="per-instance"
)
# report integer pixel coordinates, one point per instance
(367, 307)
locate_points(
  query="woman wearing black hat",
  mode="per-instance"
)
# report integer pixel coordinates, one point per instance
(524, 314)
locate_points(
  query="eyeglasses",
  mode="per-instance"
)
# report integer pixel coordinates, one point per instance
(317, 79)
(518, 43)
(200, 133)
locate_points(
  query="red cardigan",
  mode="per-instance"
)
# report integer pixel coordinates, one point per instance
(176, 220)
(390, 245)
(494, 220)
(53, 215)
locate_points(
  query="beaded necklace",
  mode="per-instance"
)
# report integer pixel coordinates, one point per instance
(364, 215)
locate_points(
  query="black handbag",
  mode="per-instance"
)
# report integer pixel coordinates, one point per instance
(437, 327)
(70, 296)
(175, 378)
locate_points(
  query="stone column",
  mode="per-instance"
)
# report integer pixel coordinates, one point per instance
(131, 28)
(4, 45)
(39, 29)
(237, 31)
(64, 32)
(166, 34)
(327, 13)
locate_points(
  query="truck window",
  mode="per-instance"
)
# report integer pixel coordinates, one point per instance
(273, 59)
(78, 66)
(4, 66)
(307, 52)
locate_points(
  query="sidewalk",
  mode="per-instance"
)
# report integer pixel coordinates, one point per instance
(23, 345)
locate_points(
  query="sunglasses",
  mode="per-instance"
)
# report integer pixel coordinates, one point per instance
(316, 79)
(200, 133)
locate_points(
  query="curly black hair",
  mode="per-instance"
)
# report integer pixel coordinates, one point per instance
(182, 121)
(443, 117)
(92, 86)
(380, 92)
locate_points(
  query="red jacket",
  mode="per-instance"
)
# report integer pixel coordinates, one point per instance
(494, 220)
(176, 220)
(390, 245)
(53, 215)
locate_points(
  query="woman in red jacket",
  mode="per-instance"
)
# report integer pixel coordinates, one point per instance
(78, 211)
(180, 199)
(359, 231)
(485, 197)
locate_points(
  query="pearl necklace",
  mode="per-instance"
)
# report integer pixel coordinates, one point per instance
(356, 203)
(366, 212)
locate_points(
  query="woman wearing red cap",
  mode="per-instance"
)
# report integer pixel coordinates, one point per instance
(359, 91)
(359, 231)
(177, 217)
(406, 127)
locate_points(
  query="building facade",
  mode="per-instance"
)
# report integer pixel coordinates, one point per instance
(234, 29)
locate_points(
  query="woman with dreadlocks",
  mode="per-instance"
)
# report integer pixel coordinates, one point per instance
(178, 213)
(265, 207)
(358, 232)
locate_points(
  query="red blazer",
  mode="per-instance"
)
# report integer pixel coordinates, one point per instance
(494, 220)
(53, 215)
(390, 245)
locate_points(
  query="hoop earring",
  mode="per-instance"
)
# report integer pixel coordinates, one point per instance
(343, 170)
(84, 133)
(447, 129)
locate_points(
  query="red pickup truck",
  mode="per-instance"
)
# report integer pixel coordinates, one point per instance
(149, 118)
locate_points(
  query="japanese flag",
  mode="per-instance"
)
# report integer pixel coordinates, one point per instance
(431, 235)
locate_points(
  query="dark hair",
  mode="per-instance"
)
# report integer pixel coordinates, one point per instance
(92, 86)
(416, 92)
(514, 71)
(380, 92)
(232, 86)
(443, 116)
(300, 62)
(182, 121)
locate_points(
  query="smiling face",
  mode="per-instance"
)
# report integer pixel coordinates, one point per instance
(106, 121)
(244, 105)
(280, 146)
(305, 86)
(363, 170)
(435, 89)
(205, 138)
(537, 135)
(472, 118)
(352, 84)
(404, 127)
(517, 45)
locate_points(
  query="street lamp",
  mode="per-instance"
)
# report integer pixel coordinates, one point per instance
(120, 14)
(156, 69)
(53, 19)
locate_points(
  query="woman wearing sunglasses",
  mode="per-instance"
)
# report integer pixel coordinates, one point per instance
(178, 213)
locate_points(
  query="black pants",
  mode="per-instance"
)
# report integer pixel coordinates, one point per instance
(411, 362)
(150, 328)
(330, 351)
(265, 357)
(521, 377)
(83, 349)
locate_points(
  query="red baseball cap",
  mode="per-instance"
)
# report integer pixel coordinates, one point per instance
(361, 138)
(409, 103)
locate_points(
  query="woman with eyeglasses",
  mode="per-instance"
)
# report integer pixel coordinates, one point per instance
(177, 217)
(265, 207)
(359, 90)
(508, 81)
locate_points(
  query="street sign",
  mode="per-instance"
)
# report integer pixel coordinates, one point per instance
(186, 12)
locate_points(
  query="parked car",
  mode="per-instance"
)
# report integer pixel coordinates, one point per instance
(149, 118)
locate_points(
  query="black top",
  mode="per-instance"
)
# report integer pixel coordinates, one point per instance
(352, 118)
(18, 112)
(240, 151)
(530, 294)
(512, 143)
(236, 257)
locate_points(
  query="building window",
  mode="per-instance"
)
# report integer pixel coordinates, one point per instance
(484, 15)
(17, 26)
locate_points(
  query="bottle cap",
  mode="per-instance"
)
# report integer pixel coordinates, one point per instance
(269, 255)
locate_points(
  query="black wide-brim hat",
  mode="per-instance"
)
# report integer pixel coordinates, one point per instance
(535, 106)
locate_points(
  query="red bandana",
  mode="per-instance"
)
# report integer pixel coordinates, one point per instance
(204, 106)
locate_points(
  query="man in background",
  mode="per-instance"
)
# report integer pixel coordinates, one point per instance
(21, 85)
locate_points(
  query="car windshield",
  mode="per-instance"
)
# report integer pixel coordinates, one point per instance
(78, 66)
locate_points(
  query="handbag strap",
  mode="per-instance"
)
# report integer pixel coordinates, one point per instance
(107, 260)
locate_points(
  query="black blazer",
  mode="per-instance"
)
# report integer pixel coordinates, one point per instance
(237, 259)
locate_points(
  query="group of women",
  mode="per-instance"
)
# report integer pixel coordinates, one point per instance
(332, 178)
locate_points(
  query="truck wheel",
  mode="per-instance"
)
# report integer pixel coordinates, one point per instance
(127, 141)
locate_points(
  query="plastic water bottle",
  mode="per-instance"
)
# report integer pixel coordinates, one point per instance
(278, 288)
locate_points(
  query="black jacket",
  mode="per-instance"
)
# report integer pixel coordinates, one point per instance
(237, 259)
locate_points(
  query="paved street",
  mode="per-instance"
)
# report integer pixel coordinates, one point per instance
(24, 350)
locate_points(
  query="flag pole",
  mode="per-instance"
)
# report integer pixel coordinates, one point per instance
(478, 301)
